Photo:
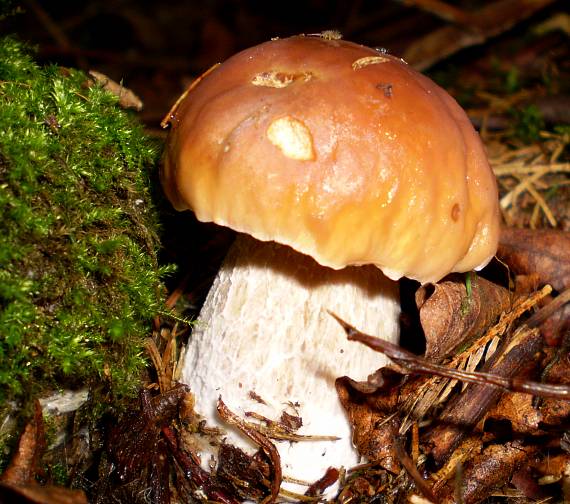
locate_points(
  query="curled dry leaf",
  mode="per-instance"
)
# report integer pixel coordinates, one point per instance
(545, 252)
(453, 316)
(374, 425)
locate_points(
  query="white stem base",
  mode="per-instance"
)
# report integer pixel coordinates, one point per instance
(264, 331)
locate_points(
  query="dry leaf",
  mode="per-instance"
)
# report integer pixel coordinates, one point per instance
(451, 317)
(545, 252)
(486, 472)
(490, 20)
(525, 481)
(127, 99)
(373, 425)
(18, 482)
(555, 326)
(36, 494)
(517, 409)
(25, 462)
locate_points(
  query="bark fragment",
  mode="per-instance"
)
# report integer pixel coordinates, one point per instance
(460, 416)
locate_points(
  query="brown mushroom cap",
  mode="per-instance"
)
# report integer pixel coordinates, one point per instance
(341, 152)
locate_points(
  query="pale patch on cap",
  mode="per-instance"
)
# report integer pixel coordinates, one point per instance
(369, 60)
(292, 137)
(279, 79)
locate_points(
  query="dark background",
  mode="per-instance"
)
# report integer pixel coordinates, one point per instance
(157, 48)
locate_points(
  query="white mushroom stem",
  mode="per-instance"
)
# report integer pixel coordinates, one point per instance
(264, 333)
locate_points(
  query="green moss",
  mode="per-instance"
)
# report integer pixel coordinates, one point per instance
(528, 123)
(79, 279)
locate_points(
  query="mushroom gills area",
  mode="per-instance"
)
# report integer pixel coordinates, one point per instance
(264, 342)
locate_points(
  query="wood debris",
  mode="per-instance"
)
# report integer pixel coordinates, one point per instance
(467, 437)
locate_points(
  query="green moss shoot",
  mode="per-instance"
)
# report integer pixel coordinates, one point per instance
(79, 279)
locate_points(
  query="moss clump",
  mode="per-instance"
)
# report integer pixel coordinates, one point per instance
(79, 280)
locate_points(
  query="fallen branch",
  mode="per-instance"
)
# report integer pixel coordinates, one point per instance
(418, 365)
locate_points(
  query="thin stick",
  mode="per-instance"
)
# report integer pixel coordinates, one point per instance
(419, 365)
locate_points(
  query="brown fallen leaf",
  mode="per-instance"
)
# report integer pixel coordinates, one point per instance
(545, 252)
(524, 340)
(37, 494)
(18, 482)
(127, 98)
(525, 481)
(486, 472)
(317, 488)
(374, 425)
(24, 465)
(555, 326)
(520, 412)
(453, 316)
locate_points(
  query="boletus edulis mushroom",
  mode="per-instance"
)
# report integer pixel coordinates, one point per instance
(343, 169)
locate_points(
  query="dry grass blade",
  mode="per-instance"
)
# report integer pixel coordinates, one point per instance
(522, 168)
(533, 170)
(161, 364)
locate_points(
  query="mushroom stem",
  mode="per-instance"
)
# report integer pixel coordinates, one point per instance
(264, 342)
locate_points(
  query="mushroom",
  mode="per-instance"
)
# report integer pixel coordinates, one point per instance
(344, 170)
